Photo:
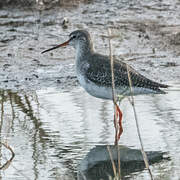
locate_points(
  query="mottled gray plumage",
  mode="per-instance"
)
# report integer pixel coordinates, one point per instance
(99, 72)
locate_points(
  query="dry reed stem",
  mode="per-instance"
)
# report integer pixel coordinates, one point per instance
(119, 163)
(8, 162)
(137, 125)
(112, 68)
(112, 161)
(114, 102)
(113, 88)
(110, 37)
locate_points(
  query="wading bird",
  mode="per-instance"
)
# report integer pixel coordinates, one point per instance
(94, 73)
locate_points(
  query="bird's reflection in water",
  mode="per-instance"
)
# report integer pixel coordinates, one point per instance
(98, 165)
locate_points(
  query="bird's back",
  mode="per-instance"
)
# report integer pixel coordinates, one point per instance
(99, 72)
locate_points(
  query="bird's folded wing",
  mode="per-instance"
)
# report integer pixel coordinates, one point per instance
(99, 72)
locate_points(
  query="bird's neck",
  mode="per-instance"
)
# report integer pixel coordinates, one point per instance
(83, 50)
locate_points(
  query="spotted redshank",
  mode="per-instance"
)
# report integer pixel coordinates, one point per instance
(94, 71)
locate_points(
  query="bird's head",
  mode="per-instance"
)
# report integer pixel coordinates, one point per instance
(77, 39)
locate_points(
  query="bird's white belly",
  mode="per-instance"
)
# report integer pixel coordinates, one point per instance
(106, 92)
(94, 90)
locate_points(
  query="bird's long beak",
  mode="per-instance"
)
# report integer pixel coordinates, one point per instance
(60, 45)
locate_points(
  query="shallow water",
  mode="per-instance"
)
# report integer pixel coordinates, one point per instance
(51, 130)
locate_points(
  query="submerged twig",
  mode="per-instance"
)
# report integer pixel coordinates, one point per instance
(137, 126)
(8, 162)
(21, 173)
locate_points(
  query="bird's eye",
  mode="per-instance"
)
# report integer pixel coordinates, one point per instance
(73, 36)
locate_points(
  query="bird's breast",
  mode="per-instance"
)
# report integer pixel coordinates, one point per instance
(92, 88)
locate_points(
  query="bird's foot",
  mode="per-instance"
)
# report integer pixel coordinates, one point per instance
(118, 124)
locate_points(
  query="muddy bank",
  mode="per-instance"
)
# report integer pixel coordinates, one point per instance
(40, 4)
(15, 3)
(148, 38)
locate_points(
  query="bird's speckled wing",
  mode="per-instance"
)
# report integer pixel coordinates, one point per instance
(99, 72)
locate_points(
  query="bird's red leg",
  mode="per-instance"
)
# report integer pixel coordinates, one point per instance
(119, 118)
(116, 128)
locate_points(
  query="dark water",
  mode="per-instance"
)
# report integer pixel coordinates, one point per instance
(51, 131)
